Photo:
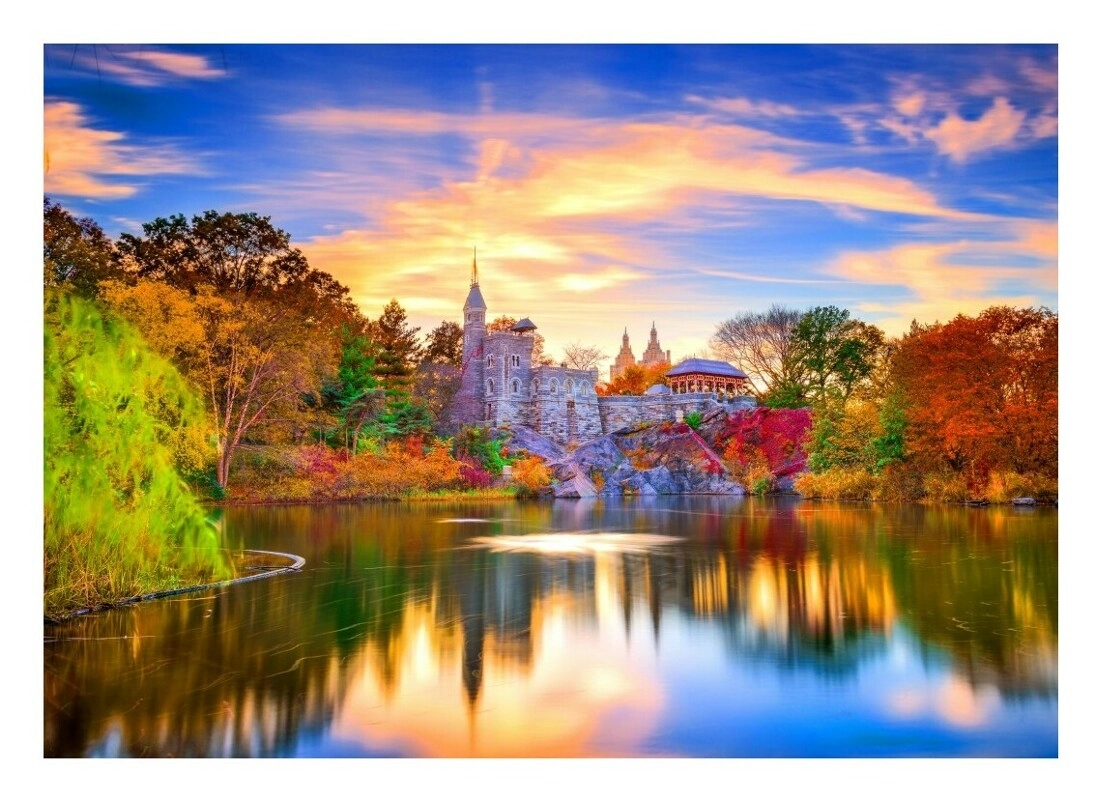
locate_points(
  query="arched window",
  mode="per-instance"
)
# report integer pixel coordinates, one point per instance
(584, 388)
(568, 386)
(515, 361)
(536, 386)
(490, 361)
(490, 386)
(515, 386)
(553, 386)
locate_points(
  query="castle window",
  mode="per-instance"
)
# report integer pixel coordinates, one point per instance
(536, 386)
(515, 387)
(490, 361)
(583, 388)
(568, 386)
(515, 361)
(490, 386)
(553, 386)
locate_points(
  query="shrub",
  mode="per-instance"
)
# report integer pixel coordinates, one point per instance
(531, 476)
(837, 484)
(693, 419)
(946, 487)
(1004, 487)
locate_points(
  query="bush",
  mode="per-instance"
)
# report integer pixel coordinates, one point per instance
(945, 487)
(693, 419)
(1004, 487)
(838, 484)
(531, 476)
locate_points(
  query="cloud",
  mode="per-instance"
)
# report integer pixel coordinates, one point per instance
(996, 129)
(83, 161)
(142, 67)
(943, 279)
(744, 107)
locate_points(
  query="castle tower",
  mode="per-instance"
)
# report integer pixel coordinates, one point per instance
(624, 358)
(468, 404)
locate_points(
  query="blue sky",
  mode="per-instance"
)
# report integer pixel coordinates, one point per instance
(604, 185)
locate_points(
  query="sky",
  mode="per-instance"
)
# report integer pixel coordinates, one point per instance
(603, 187)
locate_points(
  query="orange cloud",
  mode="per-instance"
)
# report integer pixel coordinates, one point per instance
(78, 157)
(950, 278)
(996, 129)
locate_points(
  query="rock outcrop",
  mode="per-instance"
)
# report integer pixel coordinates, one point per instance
(641, 460)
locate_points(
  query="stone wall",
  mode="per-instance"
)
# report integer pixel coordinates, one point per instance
(619, 412)
(564, 404)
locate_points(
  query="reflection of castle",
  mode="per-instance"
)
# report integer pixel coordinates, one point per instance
(500, 385)
(652, 356)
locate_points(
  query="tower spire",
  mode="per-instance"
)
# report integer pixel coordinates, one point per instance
(475, 269)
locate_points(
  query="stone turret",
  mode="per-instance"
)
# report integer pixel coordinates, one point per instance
(468, 405)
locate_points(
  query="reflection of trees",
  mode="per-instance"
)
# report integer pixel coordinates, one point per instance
(255, 670)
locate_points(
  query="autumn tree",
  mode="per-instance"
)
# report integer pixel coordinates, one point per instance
(759, 344)
(981, 393)
(75, 252)
(635, 380)
(253, 361)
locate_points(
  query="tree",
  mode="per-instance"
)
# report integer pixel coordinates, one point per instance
(635, 380)
(443, 344)
(75, 252)
(120, 425)
(354, 392)
(241, 253)
(253, 360)
(397, 349)
(981, 393)
(503, 324)
(759, 343)
(582, 356)
(828, 355)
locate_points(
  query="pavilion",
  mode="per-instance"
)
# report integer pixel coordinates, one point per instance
(706, 375)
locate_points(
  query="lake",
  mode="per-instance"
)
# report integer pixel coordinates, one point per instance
(686, 626)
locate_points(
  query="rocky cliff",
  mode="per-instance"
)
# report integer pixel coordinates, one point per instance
(664, 458)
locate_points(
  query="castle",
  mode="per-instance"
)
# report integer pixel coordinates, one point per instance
(501, 386)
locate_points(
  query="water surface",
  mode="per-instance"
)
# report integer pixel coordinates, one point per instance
(729, 627)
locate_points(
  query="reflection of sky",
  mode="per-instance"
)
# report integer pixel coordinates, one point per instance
(593, 679)
(899, 704)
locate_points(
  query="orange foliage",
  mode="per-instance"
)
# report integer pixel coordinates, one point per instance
(636, 380)
(981, 393)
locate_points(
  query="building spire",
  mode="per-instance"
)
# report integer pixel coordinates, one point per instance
(475, 269)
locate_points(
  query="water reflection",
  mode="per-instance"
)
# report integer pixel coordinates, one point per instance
(704, 626)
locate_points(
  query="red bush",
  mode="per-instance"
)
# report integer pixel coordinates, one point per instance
(779, 435)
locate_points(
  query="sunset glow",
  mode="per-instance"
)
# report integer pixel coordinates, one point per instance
(603, 186)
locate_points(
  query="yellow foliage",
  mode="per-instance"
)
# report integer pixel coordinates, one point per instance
(838, 484)
(531, 475)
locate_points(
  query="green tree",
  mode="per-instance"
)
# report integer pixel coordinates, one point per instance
(354, 392)
(397, 349)
(118, 519)
(829, 355)
(75, 252)
(231, 252)
(443, 344)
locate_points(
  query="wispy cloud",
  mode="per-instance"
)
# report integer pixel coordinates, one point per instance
(144, 67)
(88, 162)
(946, 278)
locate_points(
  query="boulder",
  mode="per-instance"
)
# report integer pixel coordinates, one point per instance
(1023, 501)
